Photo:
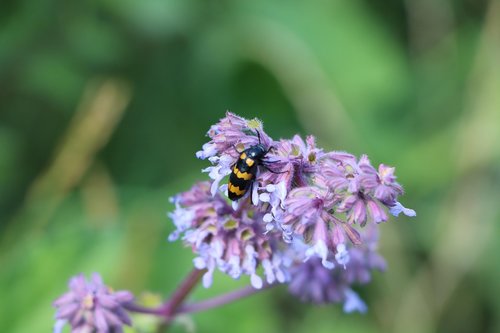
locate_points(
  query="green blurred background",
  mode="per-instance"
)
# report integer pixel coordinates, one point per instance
(104, 103)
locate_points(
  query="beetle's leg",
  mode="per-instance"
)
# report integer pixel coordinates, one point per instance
(272, 171)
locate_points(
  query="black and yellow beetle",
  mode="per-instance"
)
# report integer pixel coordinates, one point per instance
(245, 170)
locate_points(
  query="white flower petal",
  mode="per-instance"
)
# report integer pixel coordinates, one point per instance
(399, 208)
(342, 255)
(256, 281)
(353, 302)
(268, 218)
(320, 250)
(270, 188)
(207, 279)
(265, 197)
(59, 325)
(255, 195)
(199, 263)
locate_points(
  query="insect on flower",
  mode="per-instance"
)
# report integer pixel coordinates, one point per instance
(245, 169)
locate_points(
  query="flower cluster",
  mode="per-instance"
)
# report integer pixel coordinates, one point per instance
(226, 239)
(311, 281)
(309, 218)
(92, 307)
(304, 216)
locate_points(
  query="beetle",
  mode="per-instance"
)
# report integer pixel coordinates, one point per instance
(245, 169)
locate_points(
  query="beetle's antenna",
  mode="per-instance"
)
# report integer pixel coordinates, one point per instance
(258, 135)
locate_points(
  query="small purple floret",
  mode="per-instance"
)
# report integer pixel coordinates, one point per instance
(91, 306)
(311, 281)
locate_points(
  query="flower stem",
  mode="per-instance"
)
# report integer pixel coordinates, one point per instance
(169, 308)
(220, 300)
(174, 306)
(132, 307)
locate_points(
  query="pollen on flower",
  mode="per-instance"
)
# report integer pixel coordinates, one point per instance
(254, 124)
(88, 302)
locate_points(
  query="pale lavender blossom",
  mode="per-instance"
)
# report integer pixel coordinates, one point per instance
(301, 157)
(312, 282)
(341, 193)
(363, 191)
(228, 240)
(307, 214)
(230, 133)
(91, 306)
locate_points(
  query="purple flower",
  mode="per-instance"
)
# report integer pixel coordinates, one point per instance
(302, 190)
(299, 159)
(340, 172)
(92, 307)
(311, 281)
(362, 191)
(233, 242)
(307, 214)
(228, 138)
(312, 216)
(232, 133)
(382, 184)
(359, 207)
(288, 162)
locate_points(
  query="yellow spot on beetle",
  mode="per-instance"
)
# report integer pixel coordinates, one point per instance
(243, 175)
(249, 162)
(243, 156)
(235, 189)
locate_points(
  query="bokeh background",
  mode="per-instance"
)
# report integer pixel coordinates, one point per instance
(104, 103)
